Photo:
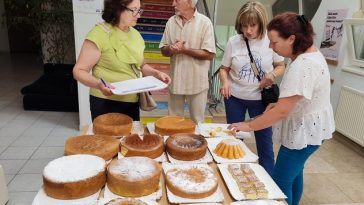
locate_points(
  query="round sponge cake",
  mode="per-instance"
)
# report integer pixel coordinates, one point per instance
(170, 125)
(100, 145)
(112, 124)
(74, 176)
(133, 176)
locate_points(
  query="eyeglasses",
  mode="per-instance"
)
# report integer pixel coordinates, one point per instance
(134, 12)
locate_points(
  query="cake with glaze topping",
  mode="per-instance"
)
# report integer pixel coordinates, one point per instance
(133, 176)
(112, 124)
(191, 182)
(186, 147)
(229, 149)
(151, 145)
(126, 201)
(99, 145)
(170, 125)
(74, 176)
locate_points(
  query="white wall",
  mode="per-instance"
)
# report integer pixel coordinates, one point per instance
(4, 40)
(341, 78)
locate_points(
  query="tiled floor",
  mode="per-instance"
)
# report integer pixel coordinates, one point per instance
(30, 139)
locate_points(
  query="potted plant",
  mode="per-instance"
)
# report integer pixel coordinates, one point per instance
(53, 22)
(55, 90)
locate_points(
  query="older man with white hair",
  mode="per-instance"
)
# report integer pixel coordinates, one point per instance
(189, 40)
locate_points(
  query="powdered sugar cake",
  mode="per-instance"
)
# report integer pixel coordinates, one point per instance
(133, 176)
(191, 182)
(74, 177)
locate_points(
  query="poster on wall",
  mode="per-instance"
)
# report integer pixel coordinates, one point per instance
(333, 33)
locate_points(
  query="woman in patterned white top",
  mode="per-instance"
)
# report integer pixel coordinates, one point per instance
(303, 116)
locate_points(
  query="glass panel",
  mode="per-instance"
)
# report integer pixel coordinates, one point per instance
(310, 7)
(358, 38)
(285, 5)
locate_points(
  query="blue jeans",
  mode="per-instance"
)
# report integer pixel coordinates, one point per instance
(235, 109)
(288, 171)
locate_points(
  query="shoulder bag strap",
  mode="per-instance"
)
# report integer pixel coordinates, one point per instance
(252, 62)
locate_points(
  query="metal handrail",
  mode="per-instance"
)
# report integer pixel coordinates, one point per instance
(214, 97)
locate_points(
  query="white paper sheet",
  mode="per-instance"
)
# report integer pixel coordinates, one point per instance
(41, 199)
(206, 128)
(139, 85)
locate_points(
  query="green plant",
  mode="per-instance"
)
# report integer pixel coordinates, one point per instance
(53, 21)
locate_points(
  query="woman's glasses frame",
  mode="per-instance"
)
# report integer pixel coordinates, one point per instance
(134, 12)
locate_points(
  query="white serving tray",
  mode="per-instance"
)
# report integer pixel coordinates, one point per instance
(137, 128)
(216, 197)
(103, 201)
(204, 160)
(248, 157)
(205, 128)
(151, 197)
(258, 202)
(273, 190)
(149, 83)
(42, 198)
(151, 128)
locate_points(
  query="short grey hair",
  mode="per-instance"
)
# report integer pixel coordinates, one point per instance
(194, 2)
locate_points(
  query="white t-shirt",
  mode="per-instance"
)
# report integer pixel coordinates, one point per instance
(244, 84)
(312, 118)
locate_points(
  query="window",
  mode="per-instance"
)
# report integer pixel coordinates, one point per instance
(355, 35)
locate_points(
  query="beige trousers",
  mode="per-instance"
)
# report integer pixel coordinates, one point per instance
(196, 104)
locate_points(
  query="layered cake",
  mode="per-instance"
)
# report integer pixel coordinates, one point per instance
(186, 147)
(150, 145)
(112, 124)
(248, 183)
(170, 125)
(133, 176)
(99, 145)
(126, 201)
(191, 182)
(230, 149)
(74, 176)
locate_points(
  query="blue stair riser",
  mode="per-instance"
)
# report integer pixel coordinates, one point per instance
(152, 37)
(152, 29)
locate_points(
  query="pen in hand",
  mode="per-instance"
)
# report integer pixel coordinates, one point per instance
(104, 83)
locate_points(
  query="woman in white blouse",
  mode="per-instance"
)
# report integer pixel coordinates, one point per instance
(303, 116)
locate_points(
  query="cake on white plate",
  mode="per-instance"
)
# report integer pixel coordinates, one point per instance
(74, 176)
(191, 182)
(133, 176)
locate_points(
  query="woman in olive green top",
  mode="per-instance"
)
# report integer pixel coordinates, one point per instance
(109, 50)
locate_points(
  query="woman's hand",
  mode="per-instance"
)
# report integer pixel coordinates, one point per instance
(240, 126)
(105, 89)
(267, 81)
(164, 77)
(225, 89)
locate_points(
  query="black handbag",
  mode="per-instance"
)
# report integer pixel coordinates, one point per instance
(269, 94)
